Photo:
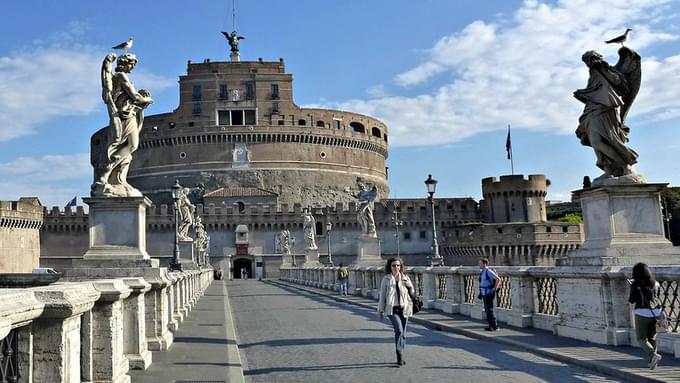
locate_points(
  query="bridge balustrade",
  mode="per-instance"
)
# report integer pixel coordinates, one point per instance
(587, 304)
(93, 330)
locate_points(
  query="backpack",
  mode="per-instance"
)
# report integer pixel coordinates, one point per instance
(499, 284)
(343, 273)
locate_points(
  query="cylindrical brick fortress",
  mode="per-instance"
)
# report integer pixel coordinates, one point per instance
(514, 198)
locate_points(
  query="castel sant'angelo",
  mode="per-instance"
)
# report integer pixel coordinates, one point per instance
(256, 166)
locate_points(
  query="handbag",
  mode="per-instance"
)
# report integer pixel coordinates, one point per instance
(661, 321)
(417, 302)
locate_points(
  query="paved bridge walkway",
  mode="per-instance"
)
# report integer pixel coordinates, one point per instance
(288, 333)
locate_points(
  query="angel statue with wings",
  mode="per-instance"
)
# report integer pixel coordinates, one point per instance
(607, 98)
(233, 39)
(366, 199)
(125, 106)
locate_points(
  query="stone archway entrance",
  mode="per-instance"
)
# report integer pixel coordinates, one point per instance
(242, 263)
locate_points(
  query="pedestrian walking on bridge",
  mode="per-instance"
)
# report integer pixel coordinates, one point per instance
(343, 277)
(488, 282)
(643, 293)
(395, 302)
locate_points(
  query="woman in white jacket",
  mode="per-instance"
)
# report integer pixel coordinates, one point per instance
(395, 302)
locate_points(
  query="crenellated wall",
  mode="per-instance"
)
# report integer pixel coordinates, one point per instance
(20, 223)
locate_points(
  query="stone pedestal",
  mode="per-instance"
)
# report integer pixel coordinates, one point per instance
(117, 227)
(286, 260)
(311, 258)
(368, 252)
(623, 225)
(187, 257)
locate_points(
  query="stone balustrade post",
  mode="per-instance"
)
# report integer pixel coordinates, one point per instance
(57, 332)
(158, 336)
(20, 307)
(136, 347)
(109, 363)
(171, 296)
(429, 286)
(522, 296)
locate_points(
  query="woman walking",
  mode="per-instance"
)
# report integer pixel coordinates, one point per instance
(643, 292)
(396, 303)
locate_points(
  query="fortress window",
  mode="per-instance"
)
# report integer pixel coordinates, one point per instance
(423, 234)
(275, 91)
(319, 228)
(385, 137)
(499, 230)
(548, 229)
(237, 117)
(197, 94)
(224, 92)
(320, 124)
(407, 235)
(250, 90)
(375, 132)
(357, 127)
(565, 229)
(197, 109)
(275, 106)
(250, 117)
(281, 122)
(223, 117)
(337, 123)
(241, 209)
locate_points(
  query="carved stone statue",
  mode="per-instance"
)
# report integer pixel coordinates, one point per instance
(309, 229)
(201, 235)
(608, 97)
(233, 39)
(125, 106)
(186, 214)
(284, 242)
(366, 199)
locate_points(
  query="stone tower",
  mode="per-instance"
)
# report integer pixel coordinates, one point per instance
(514, 198)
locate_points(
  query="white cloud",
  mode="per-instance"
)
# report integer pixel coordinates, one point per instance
(523, 71)
(55, 79)
(55, 179)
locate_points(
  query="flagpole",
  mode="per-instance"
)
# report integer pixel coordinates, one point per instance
(512, 160)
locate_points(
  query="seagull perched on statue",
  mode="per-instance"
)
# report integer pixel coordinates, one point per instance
(620, 39)
(124, 46)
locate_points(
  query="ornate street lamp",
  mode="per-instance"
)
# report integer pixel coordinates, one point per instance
(435, 258)
(329, 227)
(292, 244)
(176, 264)
(397, 223)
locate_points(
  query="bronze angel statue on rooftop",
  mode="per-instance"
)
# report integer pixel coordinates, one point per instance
(608, 97)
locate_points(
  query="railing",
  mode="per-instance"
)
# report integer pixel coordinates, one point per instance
(588, 304)
(669, 301)
(546, 296)
(9, 366)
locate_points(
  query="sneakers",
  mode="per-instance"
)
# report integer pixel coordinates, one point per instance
(491, 328)
(654, 361)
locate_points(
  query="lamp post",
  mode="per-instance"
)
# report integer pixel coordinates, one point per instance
(435, 258)
(176, 264)
(292, 244)
(397, 222)
(329, 227)
(667, 218)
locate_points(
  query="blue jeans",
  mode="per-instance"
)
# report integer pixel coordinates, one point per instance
(343, 286)
(399, 323)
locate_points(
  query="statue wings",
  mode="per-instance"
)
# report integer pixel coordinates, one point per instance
(629, 65)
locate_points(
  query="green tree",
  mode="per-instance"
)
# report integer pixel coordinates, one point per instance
(571, 218)
(670, 199)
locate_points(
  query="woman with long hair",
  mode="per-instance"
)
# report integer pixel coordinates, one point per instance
(643, 292)
(395, 302)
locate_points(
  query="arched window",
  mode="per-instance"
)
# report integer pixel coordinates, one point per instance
(358, 127)
(375, 132)
(241, 207)
(319, 228)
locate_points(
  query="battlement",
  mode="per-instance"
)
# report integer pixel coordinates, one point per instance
(240, 67)
(26, 213)
(535, 184)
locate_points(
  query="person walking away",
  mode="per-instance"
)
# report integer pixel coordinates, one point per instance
(643, 292)
(343, 278)
(395, 302)
(488, 280)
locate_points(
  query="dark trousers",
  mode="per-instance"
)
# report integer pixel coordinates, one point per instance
(488, 309)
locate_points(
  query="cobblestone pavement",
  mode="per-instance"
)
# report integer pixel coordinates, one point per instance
(287, 335)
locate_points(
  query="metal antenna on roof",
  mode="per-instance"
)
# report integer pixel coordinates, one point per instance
(233, 15)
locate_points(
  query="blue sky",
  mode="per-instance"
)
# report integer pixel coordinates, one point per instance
(446, 76)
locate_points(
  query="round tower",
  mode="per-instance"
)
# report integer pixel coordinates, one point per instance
(514, 198)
